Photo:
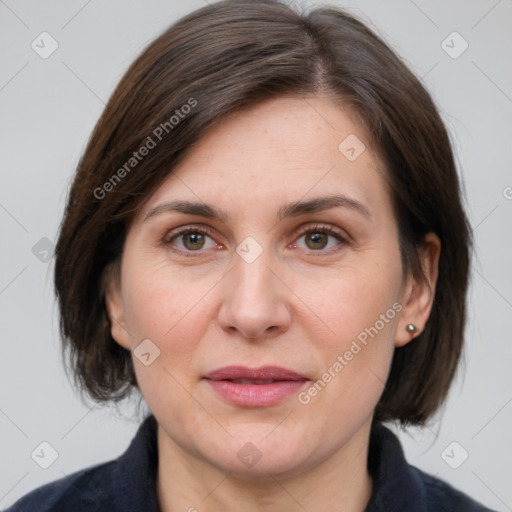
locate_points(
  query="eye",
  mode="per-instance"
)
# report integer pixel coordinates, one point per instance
(320, 238)
(190, 239)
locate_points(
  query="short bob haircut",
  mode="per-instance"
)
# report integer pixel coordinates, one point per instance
(221, 59)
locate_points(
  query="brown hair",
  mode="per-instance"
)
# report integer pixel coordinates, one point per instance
(218, 60)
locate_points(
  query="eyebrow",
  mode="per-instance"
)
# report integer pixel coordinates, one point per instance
(295, 209)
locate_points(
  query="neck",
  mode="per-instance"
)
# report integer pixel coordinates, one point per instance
(340, 482)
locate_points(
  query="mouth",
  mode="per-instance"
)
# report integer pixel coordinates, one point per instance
(255, 387)
(253, 381)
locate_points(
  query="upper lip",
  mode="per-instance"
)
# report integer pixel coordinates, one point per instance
(261, 373)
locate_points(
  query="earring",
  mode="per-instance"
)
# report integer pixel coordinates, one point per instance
(410, 328)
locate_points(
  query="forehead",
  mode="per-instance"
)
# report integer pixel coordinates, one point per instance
(281, 149)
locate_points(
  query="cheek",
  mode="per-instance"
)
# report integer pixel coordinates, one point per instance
(163, 306)
(361, 308)
(355, 300)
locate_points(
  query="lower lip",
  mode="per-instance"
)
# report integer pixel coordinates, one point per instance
(256, 395)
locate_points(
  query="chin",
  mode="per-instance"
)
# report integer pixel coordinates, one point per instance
(257, 457)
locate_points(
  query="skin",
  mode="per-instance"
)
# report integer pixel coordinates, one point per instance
(299, 305)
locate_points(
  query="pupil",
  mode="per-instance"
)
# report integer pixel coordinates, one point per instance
(317, 238)
(194, 240)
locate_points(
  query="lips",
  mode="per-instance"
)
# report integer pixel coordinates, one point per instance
(255, 387)
(252, 381)
(265, 373)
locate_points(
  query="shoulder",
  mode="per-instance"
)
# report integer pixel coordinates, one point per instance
(90, 489)
(442, 497)
(126, 483)
(402, 487)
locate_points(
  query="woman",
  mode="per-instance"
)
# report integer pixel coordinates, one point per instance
(265, 237)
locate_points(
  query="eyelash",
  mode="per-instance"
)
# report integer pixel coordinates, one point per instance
(318, 228)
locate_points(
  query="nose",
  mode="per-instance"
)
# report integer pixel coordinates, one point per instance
(255, 302)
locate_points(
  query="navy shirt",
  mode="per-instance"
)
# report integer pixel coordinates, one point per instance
(128, 484)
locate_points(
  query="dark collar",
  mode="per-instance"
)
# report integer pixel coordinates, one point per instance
(136, 470)
(396, 485)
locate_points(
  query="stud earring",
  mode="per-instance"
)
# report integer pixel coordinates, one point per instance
(410, 328)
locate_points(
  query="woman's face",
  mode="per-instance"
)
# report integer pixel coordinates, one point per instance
(273, 244)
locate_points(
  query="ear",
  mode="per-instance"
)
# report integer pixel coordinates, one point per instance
(419, 291)
(115, 307)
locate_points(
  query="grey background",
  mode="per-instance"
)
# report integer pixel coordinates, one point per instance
(48, 109)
